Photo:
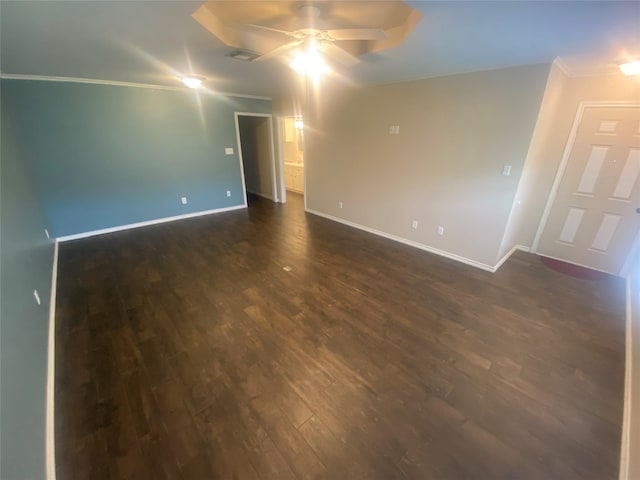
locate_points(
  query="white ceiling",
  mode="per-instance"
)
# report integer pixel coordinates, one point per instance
(152, 41)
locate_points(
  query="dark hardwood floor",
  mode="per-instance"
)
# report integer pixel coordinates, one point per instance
(186, 351)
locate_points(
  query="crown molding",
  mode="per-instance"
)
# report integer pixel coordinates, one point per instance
(450, 74)
(94, 81)
(591, 71)
(558, 62)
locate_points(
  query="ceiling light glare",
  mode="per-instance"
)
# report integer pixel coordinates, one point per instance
(309, 64)
(630, 68)
(192, 81)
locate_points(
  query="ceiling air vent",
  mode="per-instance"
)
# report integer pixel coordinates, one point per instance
(244, 55)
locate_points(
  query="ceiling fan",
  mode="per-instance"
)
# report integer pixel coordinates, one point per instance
(309, 34)
(319, 29)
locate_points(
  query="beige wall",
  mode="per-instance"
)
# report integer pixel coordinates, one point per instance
(456, 133)
(562, 98)
(538, 171)
(444, 168)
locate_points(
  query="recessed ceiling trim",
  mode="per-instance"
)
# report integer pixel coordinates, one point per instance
(457, 72)
(94, 81)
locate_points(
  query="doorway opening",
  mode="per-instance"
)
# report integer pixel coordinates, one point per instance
(256, 154)
(293, 154)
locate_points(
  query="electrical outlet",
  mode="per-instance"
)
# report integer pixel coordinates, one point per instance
(340, 204)
(506, 170)
(46, 232)
(440, 230)
(228, 193)
(184, 200)
(414, 224)
(36, 296)
(228, 151)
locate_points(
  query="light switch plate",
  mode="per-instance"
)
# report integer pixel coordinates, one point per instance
(228, 151)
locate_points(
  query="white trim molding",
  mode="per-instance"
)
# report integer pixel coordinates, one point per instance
(282, 190)
(50, 447)
(507, 255)
(95, 81)
(421, 246)
(629, 464)
(102, 231)
(272, 166)
(558, 62)
(626, 412)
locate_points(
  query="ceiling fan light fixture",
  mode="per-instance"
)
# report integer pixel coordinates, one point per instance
(309, 64)
(192, 81)
(630, 68)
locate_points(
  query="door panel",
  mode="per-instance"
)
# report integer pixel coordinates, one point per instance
(592, 220)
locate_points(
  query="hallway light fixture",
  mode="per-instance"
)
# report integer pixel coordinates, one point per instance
(630, 68)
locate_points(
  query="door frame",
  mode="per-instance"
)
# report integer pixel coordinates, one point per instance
(281, 159)
(280, 137)
(269, 117)
(582, 106)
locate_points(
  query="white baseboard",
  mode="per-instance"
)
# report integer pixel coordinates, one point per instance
(421, 246)
(50, 449)
(92, 233)
(507, 255)
(625, 452)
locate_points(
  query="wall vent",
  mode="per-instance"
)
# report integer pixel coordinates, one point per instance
(244, 55)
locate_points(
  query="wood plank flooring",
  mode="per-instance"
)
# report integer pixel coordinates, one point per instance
(186, 351)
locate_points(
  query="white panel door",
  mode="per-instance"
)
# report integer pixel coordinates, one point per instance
(592, 220)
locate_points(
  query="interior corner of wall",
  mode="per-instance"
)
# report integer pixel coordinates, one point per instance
(559, 67)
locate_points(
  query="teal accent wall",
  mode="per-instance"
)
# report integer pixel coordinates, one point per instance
(104, 156)
(25, 264)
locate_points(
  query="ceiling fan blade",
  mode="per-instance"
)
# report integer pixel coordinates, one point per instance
(338, 54)
(357, 34)
(277, 51)
(269, 29)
